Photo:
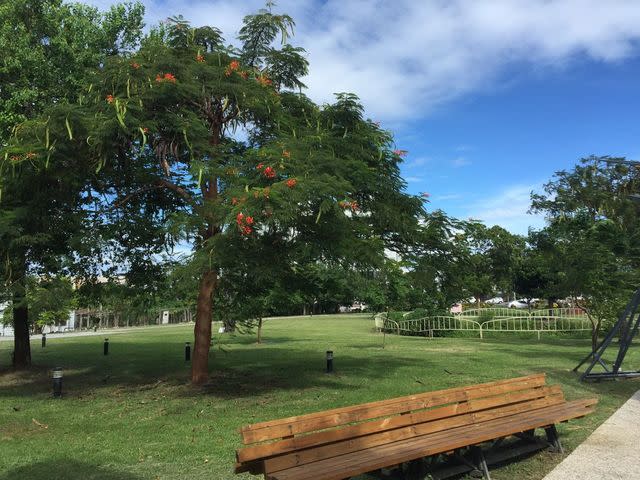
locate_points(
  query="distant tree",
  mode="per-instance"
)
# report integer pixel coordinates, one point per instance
(591, 244)
(51, 301)
(436, 265)
(492, 262)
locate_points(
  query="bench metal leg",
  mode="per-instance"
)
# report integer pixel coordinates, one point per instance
(481, 462)
(553, 439)
(414, 470)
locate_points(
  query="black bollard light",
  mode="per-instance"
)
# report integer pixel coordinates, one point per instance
(44, 340)
(57, 382)
(106, 346)
(187, 352)
(329, 361)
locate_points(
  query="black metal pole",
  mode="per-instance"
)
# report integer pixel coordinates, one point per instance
(187, 352)
(329, 361)
(44, 340)
(57, 382)
(106, 346)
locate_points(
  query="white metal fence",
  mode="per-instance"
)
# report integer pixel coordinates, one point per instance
(567, 320)
(515, 312)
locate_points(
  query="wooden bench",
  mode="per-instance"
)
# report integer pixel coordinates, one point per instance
(345, 442)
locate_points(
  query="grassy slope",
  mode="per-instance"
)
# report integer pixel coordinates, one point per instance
(132, 415)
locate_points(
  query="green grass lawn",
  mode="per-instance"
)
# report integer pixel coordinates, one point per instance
(133, 415)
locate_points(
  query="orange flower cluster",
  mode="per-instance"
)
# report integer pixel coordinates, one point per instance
(244, 223)
(200, 58)
(345, 204)
(269, 172)
(135, 65)
(145, 130)
(286, 153)
(292, 182)
(109, 98)
(234, 66)
(28, 155)
(264, 80)
(167, 77)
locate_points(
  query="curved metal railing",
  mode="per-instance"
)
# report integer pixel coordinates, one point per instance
(493, 312)
(560, 312)
(515, 312)
(534, 324)
(438, 323)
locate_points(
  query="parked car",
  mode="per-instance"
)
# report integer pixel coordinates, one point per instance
(494, 301)
(519, 304)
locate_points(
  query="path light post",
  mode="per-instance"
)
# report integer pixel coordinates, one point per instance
(44, 340)
(187, 351)
(57, 382)
(106, 346)
(329, 361)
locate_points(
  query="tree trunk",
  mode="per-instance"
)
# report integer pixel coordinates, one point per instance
(21, 345)
(595, 333)
(260, 330)
(202, 329)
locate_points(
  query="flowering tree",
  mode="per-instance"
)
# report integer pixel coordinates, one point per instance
(212, 147)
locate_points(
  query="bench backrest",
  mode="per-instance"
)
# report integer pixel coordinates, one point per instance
(392, 418)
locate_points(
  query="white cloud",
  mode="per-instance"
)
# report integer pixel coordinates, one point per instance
(460, 162)
(414, 179)
(509, 209)
(405, 57)
(444, 198)
(417, 162)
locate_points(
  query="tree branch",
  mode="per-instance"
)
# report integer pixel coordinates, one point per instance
(157, 184)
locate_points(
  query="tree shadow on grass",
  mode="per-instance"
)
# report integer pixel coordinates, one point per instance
(66, 469)
(236, 373)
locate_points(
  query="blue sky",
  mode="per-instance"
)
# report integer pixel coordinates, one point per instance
(490, 98)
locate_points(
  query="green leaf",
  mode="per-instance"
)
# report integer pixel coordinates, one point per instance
(68, 125)
(144, 136)
(186, 140)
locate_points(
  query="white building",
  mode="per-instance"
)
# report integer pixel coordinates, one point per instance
(5, 330)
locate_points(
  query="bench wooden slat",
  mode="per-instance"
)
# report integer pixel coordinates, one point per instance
(375, 426)
(341, 416)
(363, 461)
(271, 423)
(334, 450)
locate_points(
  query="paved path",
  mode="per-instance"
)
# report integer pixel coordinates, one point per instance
(611, 452)
(104, 331)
